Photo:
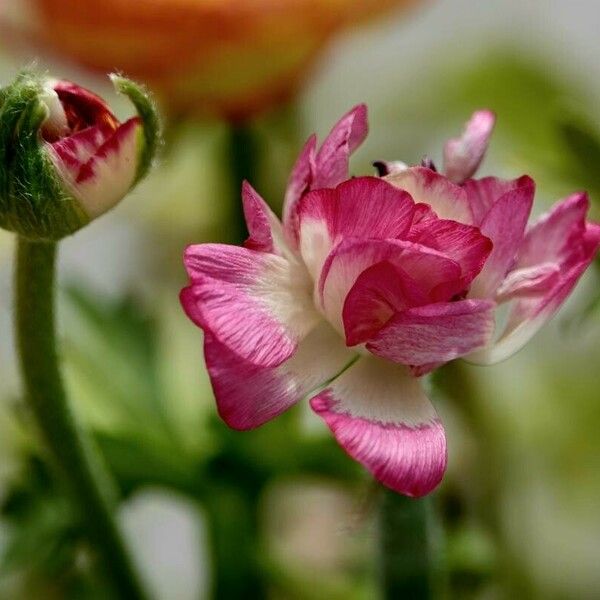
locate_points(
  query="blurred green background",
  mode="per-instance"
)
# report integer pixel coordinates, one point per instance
(282, 511)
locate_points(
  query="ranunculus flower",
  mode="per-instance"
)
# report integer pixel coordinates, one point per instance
(229, 57)
(370, 283)
(64, 157)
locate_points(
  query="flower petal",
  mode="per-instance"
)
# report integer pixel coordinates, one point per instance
(531, 312)
(528, 280)
(298, 185)
(449, 201)
(463, 155)
(108, 174)
(265, 229)
(381, 417)
(258, 305)
(553, 236)
(428, 268)
(331, 164)
(364, 207)
(483, 193)
(249, 395)
(82, 107)
(505, 225)
(75, 150)
(435, 333)
(379, 292)
(462, 243)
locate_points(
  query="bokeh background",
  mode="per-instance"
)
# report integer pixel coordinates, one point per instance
(281, 512)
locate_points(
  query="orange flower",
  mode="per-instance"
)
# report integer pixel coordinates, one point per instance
(226, 57)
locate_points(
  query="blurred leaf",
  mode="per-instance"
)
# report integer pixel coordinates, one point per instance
(112, 347)
(582, 142)
(137, 462)
(46, 546)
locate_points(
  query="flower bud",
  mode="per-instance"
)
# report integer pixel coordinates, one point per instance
(65, 158)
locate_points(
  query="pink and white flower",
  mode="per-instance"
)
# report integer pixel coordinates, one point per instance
(370, 283)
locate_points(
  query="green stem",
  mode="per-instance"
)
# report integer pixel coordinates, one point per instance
(72, 452)
(411, 553)
(243, 158)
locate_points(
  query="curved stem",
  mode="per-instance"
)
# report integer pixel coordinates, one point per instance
(73, 453)
(410, 549)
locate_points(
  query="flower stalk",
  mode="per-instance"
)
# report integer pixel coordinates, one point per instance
(243, 165)
(411, 555)
(72, 451)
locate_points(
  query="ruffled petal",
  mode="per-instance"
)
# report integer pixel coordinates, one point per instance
(483, 193)
(529, 280)
(364, 207)
(463, 155)
(381, 417)
(449, 201)
(505, 225)
(298, 184)
(266, 232)
(332, 159)
(326, 168)
(249, 395)
(428, 268)
(533, 308)
(379, 292)
(258, 305)
(435, 333)
(556, 234)
(464, 244)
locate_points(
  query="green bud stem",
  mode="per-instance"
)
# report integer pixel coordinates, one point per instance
(72, 451)
(410, 558)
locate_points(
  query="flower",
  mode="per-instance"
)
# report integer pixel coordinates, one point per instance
(370, 283)
(65, 159)
(232, 58)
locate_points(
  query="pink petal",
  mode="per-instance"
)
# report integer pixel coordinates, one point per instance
(463, 155)
(327, 168)
(435, 333)
(77, 149)
(428, 268)
(298, 184)
(505, 225)
(88, 108)
(103, 180)
(483, 193)
(266, 232)
(462, 243)
(381, 417)
(258, 305)
(531, 311)
(249, 395)
(364, 207)
(448, 200)
(333, 157)
(553, 235)
(379, 292)
(256, 213)
(529, 280)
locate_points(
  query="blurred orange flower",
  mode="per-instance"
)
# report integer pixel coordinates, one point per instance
(232, 58)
